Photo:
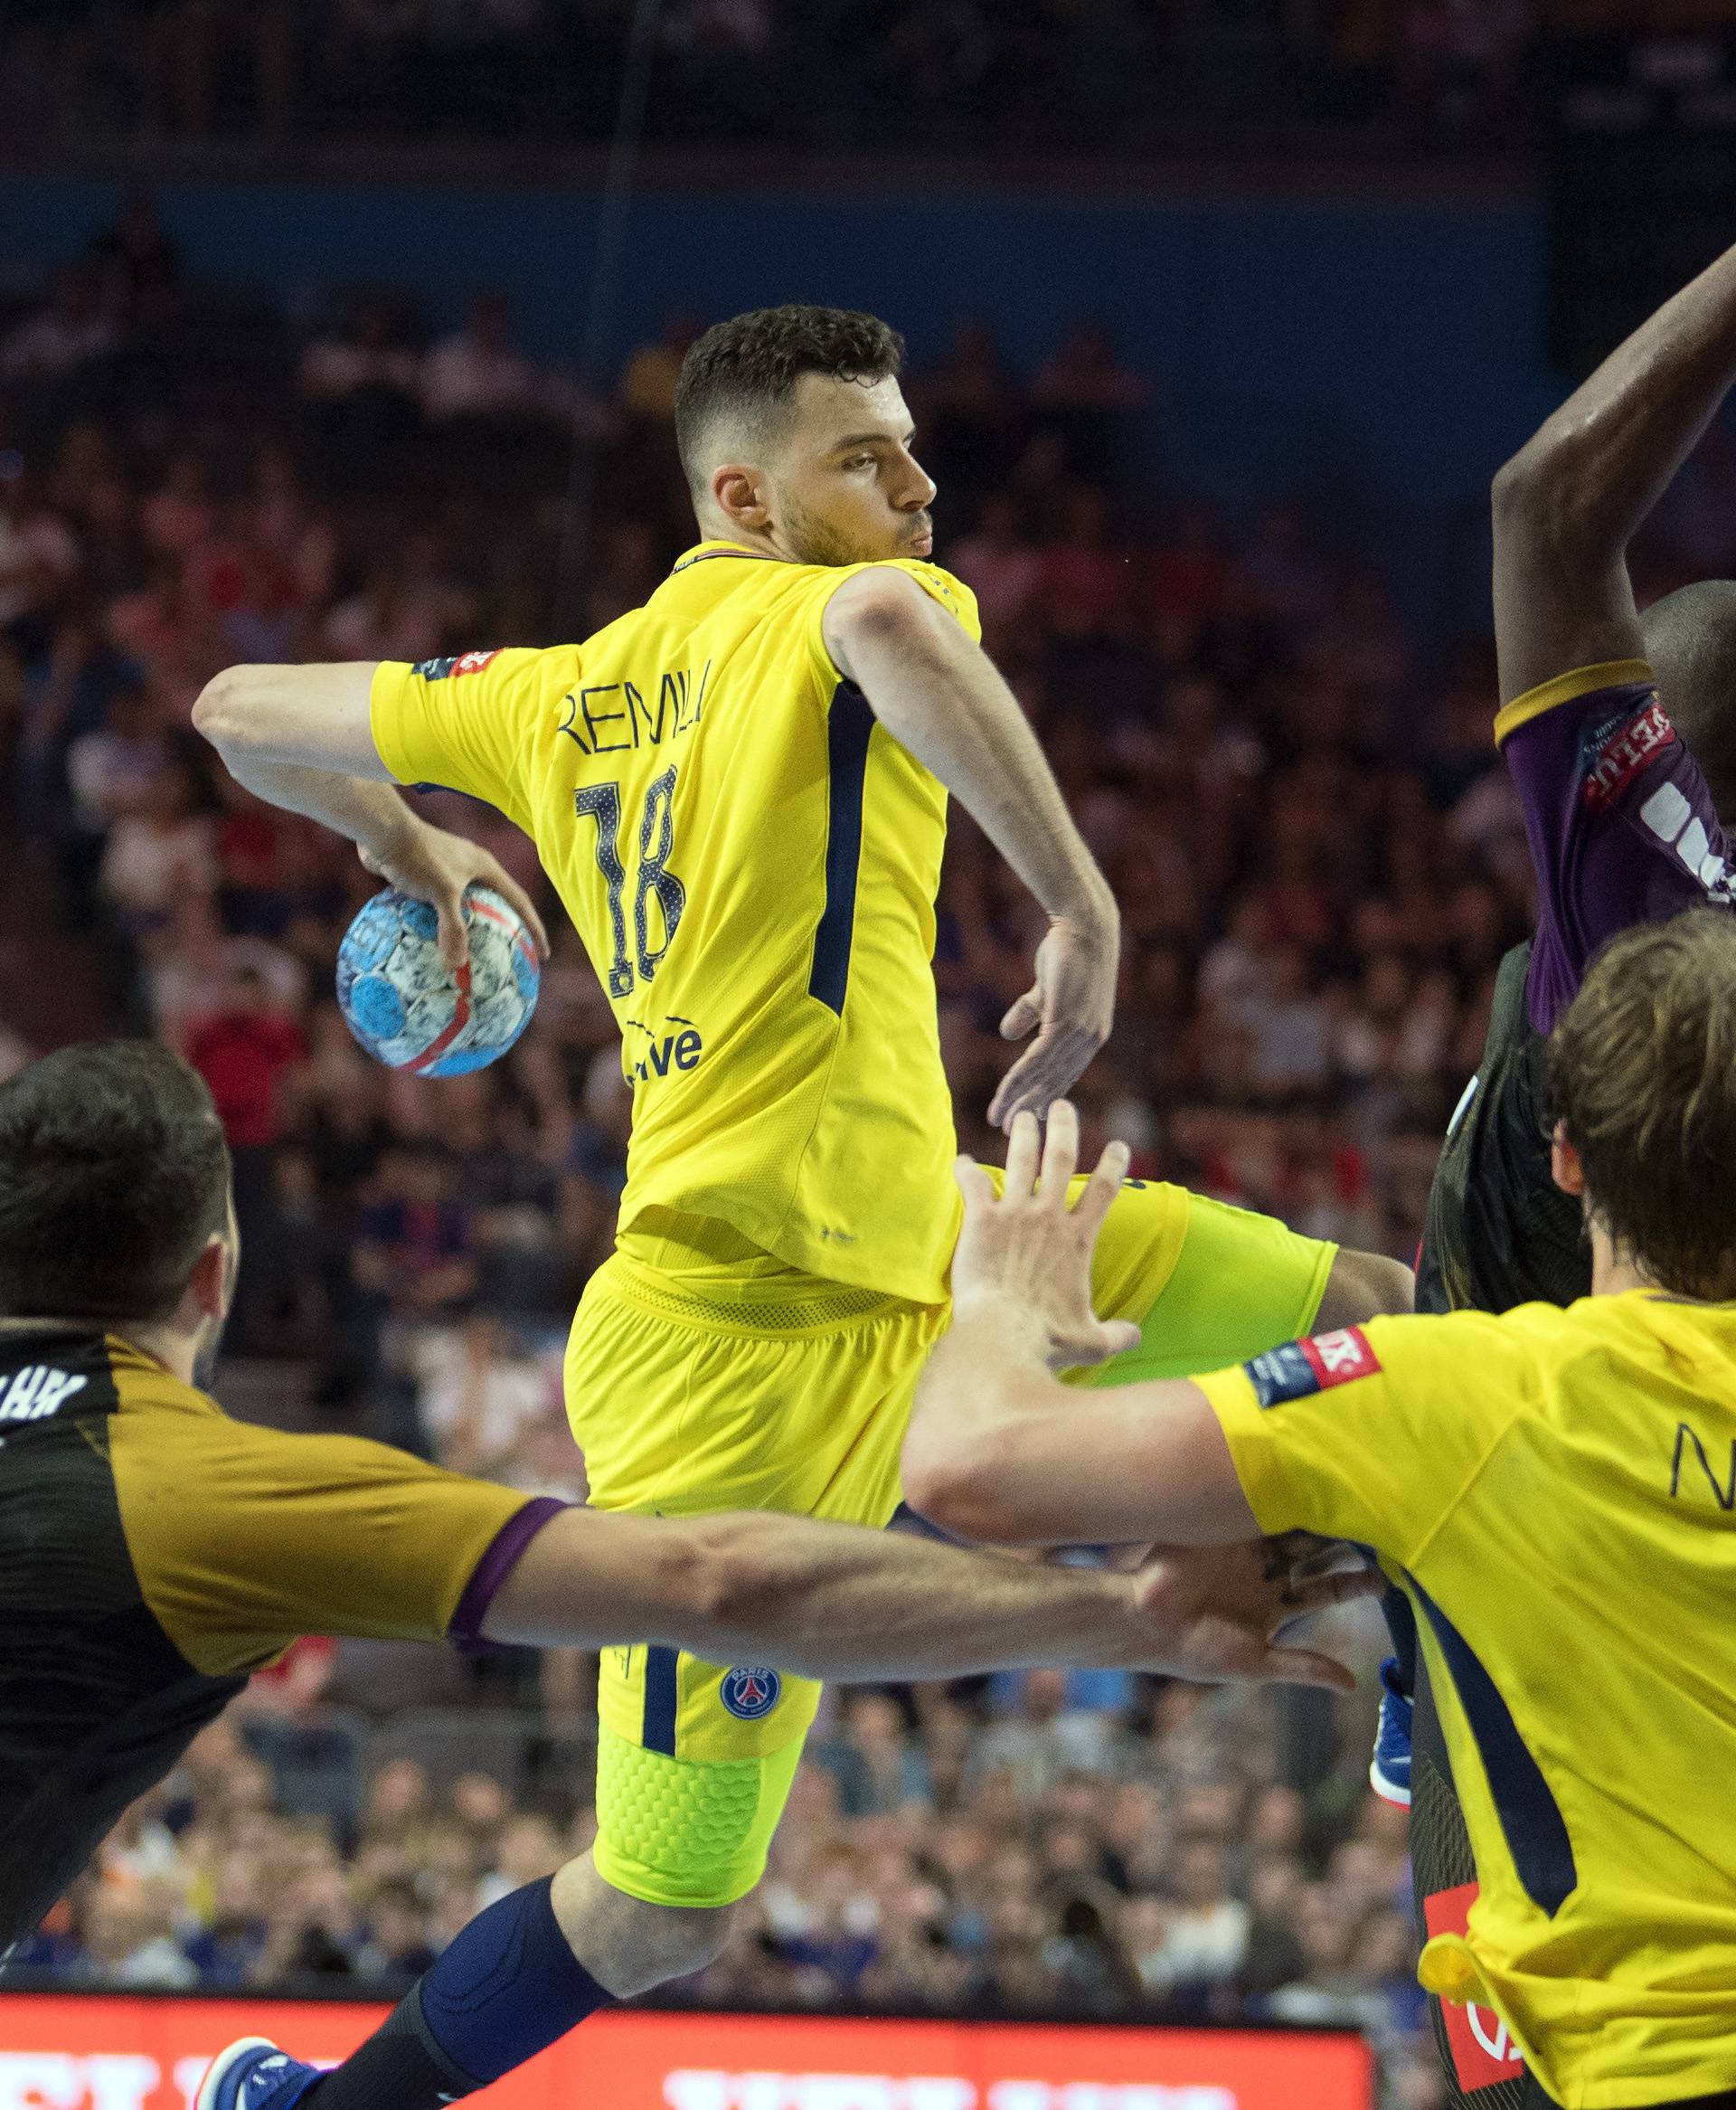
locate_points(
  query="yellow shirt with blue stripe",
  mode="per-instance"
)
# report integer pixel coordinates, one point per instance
(752, 864)
(1556, 1491)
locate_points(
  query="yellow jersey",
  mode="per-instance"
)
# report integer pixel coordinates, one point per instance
(751, 862)
(1556, 1491)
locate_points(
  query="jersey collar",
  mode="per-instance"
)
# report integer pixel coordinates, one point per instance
(702, 551)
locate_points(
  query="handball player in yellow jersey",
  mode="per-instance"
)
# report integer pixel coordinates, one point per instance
(1555, 1490)
(740, 791)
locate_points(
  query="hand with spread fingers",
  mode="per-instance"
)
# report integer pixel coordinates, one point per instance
(1027, 1252)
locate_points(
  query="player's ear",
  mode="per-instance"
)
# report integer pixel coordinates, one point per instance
(206, 1295)
(739, 495)
(1564, 1165)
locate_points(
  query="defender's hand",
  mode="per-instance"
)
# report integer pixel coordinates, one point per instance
(1216, 1611)
(1026, 1255)
(1070, 1007)
(432, 865)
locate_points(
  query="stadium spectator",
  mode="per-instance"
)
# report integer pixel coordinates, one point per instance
(71, 330)
(478, 372)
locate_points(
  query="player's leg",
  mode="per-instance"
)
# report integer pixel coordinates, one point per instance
(1209, 1286)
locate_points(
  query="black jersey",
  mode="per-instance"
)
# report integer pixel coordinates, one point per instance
(153, 1552)
(1499, 1230)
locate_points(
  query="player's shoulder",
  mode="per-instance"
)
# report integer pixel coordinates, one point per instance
(933, 579)
(1444, 1347)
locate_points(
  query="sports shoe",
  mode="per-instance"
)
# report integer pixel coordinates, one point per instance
(254, 2075)
(1389, 1772)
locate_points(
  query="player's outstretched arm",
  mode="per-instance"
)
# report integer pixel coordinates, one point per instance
(1568, 505)
(302, 738)
(998, 1449)
(938, 693)
(831, 1601)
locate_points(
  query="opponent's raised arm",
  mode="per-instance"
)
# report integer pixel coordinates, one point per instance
(998, 1449)
(1568, 505)
(938, 695)
(831, 1601)
(302, 738)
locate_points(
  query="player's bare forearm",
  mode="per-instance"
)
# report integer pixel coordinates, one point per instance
(1000, 1451)
(1568, 505)
(940, 696)
(302, 738)
(834, 1601)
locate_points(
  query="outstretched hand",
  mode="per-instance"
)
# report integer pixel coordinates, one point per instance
(1217, 1610)
(432, 864)
(1031, 1246)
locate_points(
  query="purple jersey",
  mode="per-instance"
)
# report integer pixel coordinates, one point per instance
(1620, 823)
(1622, 832)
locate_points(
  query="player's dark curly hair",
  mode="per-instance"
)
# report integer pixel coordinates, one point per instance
(745, 371)
(114, 1174)
(1642, 1076)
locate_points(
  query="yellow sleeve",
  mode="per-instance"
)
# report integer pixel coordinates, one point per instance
(469, 724)
(1568, 688)
(953, 595)
(243, 1537)
(1374, 1433)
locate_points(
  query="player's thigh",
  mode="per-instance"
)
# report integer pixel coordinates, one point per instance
(696, 1760)
(1207, 1284)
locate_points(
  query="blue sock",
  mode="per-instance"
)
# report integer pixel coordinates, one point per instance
(507, 1988)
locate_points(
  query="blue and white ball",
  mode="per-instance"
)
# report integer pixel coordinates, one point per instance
(405, 1006)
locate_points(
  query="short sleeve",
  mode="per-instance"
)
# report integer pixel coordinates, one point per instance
(953, 595)
(243, 1537)
(1371, 1434)
(466, 725)
(1620, 823)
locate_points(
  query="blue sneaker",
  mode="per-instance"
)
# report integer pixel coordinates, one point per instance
(254, 2075)
(1388, 1773)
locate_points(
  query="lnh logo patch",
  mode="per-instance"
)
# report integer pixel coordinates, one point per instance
(751, 1694)
(1301, 1367)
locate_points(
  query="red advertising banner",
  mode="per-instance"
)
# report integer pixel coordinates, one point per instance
(1482, 2052)
(92, 2053)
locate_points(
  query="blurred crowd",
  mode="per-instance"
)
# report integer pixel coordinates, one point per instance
(1086, 1846)
(1319, 865)
(1318, 861)
(820, 75)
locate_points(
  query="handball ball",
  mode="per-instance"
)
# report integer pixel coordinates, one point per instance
(405, 1006)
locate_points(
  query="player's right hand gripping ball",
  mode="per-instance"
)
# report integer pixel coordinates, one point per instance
(404, 1004)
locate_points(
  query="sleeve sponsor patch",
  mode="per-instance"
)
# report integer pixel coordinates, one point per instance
(1618, 752)
(1302, 1367)
(460, 664)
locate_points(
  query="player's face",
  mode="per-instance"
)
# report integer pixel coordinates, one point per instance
(844, 487)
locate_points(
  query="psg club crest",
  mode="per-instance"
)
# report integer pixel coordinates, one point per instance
(749, 1695)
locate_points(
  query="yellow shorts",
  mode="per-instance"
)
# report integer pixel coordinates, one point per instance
(696, 1390)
